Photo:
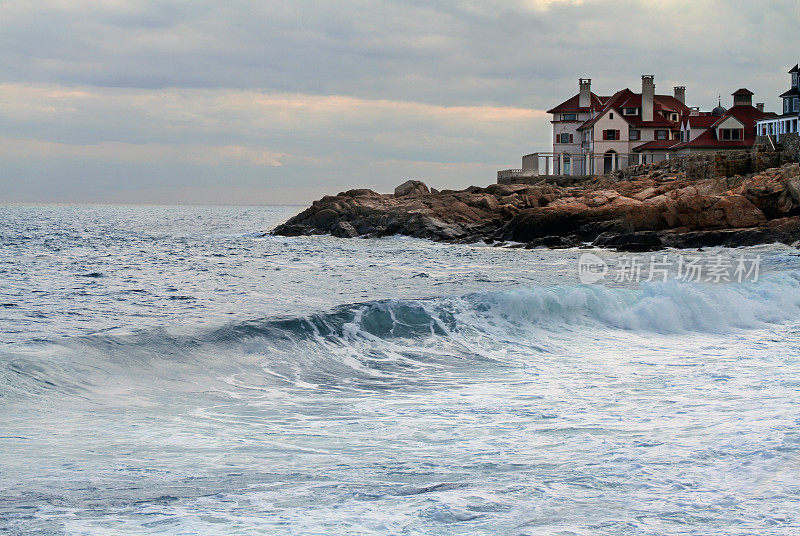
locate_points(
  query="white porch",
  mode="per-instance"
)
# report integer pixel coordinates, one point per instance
(778, 126)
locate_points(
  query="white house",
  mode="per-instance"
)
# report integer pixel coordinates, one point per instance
(787, 122)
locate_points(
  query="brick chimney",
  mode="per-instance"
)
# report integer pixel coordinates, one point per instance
(585, 98)
(648, 94)
(743, 97)
(680, 93)
(760, 106)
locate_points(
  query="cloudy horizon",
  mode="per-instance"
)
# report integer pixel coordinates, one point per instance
(135, 101)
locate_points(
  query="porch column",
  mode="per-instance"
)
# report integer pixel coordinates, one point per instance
(560, 163)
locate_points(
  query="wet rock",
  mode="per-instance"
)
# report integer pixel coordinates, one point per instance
(639, 241)
(344, 229)
(631, 210)
(554, 242)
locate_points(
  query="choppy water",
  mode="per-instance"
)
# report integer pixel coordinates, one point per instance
(166, 370)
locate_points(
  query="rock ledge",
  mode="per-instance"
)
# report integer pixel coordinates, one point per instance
(654, 209)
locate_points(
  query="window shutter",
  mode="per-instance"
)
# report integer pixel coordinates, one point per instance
(618, 137)
(570, 138)
(605, 134)
(557, 136)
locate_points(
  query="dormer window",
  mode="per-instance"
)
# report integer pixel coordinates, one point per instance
(611, 115)
(662, 135)
(630, 111)
(730, 134)
(569, 117)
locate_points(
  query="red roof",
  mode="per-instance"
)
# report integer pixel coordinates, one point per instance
(657, 144)
(743, 91)
(701, 121)
(572, 105)
(628, 99)
(747, 115)
(708, 139)
(609, 104)
(744, 113)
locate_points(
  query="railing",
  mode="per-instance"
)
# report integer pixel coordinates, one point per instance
(576, 164)
(515, 173)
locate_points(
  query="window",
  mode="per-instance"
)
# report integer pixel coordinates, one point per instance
(630, 111)
(611, 135)
(565, 137)
(569, 117)
(567, 165)
(730, 134)
(797, 104)
(794, 79)
(634, 135)
(786, 102)
(661, 135)
(611, 116)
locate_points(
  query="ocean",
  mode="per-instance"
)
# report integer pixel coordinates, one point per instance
(170, 370)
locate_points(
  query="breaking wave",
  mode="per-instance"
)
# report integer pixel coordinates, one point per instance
(385, 344)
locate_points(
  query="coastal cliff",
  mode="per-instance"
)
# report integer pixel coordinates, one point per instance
(637, 209)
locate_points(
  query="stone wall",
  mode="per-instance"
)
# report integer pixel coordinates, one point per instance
(714, 165)
(560, 180)
(791, 145)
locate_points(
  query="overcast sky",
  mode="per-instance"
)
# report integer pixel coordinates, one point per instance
(273, 102)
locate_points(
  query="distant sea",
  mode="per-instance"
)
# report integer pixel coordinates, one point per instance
(169, 370)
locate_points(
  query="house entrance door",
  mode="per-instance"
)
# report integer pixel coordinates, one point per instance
(608, 162)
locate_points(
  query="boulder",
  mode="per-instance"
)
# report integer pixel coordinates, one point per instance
(411, 187)
(639, 241)
(344, 229)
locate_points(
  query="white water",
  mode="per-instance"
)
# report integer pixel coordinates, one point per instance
(203, 380)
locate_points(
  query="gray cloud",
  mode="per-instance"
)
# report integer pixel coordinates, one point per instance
(126, 76)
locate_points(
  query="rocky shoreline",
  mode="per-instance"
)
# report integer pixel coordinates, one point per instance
(644, 209)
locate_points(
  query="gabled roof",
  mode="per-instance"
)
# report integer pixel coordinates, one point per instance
(795, 69)
(572, 105)
(794, 92)
(626, 98)
(747, 115)
(742, 91)
(608, 105)
(701, 121)
(708, 139)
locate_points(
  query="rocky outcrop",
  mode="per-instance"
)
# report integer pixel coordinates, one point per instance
(658, 207)
(411, 188)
